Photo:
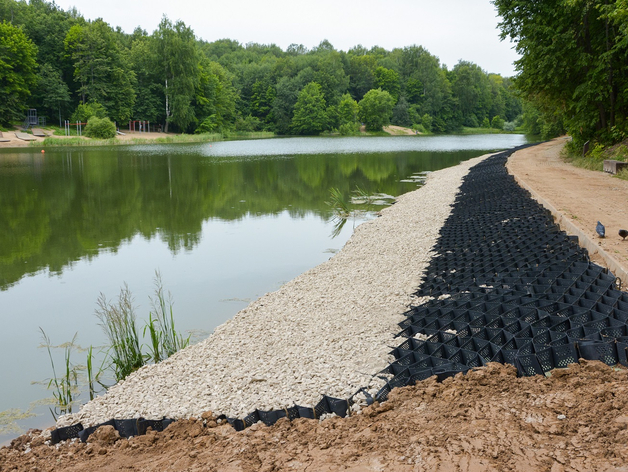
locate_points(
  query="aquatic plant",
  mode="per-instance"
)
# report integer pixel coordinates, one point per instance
(119, 324)
(341, 207)
(338, 203)
(64, 388)
(164, 339)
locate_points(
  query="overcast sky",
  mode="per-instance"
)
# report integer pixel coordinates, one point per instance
(449, 29)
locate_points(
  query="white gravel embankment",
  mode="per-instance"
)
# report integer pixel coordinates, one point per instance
(328, 331)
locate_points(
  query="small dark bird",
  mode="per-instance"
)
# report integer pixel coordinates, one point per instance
(600, 229)
(623, 233)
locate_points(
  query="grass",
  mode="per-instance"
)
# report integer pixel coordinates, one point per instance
(594, 159)
(467, 130)
(119, 324)
(164, 339)
(166, 139)
(64, 388)
(124, 354)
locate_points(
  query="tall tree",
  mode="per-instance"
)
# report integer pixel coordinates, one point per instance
(376, 109)
(309, 111)
(573, 62)
(177, 62)
(17, 71)
(52, 92)
(100, 68)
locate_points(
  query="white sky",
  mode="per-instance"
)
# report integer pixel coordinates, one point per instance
(449, 29)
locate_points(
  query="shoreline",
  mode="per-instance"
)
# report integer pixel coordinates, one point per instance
(126, 139)
(329, 331)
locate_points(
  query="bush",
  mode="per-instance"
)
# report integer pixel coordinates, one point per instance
(426, 121)
(84, 112)
(100, 128)
(497, 122)
(486, 123)
(349, 129)
(509, 126)
(248, 124)
(419, 128)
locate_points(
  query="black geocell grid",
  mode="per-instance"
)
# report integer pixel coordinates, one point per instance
(513, 288)
(518, 290)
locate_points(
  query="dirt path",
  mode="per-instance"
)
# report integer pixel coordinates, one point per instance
(579, 199)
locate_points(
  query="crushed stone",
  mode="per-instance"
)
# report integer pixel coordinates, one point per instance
(328, 331)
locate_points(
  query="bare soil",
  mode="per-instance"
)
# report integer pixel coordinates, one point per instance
(488, 420)
(399, 130)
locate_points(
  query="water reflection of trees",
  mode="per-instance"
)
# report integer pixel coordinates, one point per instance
(72, 205)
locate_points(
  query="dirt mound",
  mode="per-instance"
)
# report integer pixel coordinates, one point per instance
(487, 420)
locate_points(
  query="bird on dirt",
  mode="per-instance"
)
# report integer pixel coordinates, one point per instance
(600, 229)
(623, 233)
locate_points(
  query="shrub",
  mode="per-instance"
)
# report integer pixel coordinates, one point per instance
(348, 129)
(101, 128)
(509, 126)
(497, 122)
(86, 110)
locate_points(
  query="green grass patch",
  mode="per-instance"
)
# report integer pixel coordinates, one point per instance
(166, 139)
(467, 130)
(594, 159)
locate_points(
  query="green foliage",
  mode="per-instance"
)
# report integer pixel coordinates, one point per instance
(172, 78)
(309, 111)
(497, 122)
(118, 321)
(573, 65)
(64, 388)
(419, 128)
(250, 123)
(376, 109)
(101, 69)
(486, 123)
(388, 80)
(509, 126)
(165, 340)
(85, 111)
(100, 128)
(349, 129)
(17, 71)
(348, 110)
(400, 114)
(52, 92)
(177, 68)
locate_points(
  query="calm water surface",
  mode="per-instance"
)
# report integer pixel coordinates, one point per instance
(223, 222)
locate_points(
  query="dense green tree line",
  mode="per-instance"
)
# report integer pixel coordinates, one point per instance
(173, 78)
(573, 69)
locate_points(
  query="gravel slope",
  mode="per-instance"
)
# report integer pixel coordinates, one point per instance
(328, 331)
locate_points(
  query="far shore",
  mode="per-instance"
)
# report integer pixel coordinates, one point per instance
(10, 140)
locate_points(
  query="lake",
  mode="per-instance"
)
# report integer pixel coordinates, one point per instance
(223, 222)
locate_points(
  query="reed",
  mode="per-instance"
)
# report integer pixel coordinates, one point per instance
(164, 339)
(119, 324)
(64, 388)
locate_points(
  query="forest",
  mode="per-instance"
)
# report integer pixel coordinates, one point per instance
(573, 72)
(68, 67)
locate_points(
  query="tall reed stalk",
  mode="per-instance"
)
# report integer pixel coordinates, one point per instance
(164, 339)
(64, 388)
(119, 324)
